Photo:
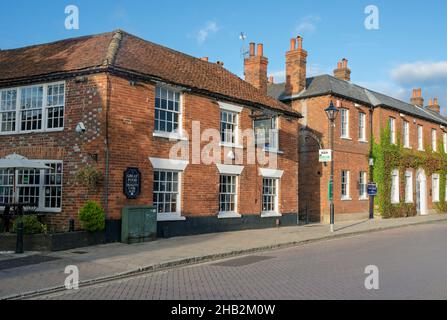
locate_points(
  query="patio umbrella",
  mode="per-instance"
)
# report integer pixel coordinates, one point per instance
(18, 162)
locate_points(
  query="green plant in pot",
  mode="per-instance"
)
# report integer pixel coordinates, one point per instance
(31, 225)
(89, 177)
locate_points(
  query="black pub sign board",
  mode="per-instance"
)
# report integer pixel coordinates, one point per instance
(132, 183)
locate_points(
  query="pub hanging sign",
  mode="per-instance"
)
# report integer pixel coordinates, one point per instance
(132, 183)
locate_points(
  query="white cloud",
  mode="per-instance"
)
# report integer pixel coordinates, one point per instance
(204, 33)
(308, 25)
(420, 73)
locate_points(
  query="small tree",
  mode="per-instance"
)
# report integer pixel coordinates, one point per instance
(92, 217)
(31, 225)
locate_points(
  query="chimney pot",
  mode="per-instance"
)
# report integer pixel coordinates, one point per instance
(271, 80)
(204, 58)
(292, 44)
(252, 49)
(430, 102)
(345, 63)
(417, 99)
(435, 101)
(260, 50)
(300, 43)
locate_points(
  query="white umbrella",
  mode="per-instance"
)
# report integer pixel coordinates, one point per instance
(18, 162)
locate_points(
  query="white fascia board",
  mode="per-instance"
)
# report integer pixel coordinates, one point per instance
(230, 169)
(271, 173)
(169, 164)
(230, 107)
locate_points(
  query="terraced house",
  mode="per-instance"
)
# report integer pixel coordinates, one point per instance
(114, 101)
(411, 185)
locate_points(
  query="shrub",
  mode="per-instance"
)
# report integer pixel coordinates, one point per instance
(92, 217)
(31, 225)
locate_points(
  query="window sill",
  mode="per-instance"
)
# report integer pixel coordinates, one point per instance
(346, 138)
(169, 135)
(230, 145)
(270, 214)
(346, 199)
(170, 217)
(409, 202)
(10, 133)
(272, 150)
(228, 215)
(406, 147)
(363, 141)
(363, 198)
(421, 149)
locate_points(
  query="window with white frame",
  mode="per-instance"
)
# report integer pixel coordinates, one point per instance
(362, 126)
(228, 194)
(363, 185)
(345, 185)
(344, 116)
(406, 134)
(6, 185)
(266, 131)
(228, 126)
(42, 188)
(420, 137)
(395, 186)
(408, 187)
(8, 110)
(392, 124)
(167, 110)
(166, 191)
(444, 139)
(435, 187)
(434, 144)
(32, 108)
(269, 195)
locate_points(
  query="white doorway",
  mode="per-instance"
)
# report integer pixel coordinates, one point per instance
(421, 192)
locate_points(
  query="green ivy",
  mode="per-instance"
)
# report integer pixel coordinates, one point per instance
(388, 156)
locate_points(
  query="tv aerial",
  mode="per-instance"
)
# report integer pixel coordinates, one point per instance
(244, 51)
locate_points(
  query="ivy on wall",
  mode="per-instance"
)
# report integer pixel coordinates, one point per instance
(388, 157)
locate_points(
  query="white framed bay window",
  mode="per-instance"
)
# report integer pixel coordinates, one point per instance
(42, 188)
(36, 108)
(167, 182)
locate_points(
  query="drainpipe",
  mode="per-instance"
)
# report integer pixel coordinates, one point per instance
(106, 182)
(371, 164)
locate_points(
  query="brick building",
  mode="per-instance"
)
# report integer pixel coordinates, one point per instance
(114, 101)
(363, 113)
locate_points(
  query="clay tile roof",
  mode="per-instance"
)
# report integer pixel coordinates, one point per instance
(125, 52)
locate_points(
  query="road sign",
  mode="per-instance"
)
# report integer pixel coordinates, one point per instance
(325, 155)
(372, 189)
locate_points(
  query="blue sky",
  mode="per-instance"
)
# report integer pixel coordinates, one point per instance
(408, 50)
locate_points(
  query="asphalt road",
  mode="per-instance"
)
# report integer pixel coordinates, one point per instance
(412, 264)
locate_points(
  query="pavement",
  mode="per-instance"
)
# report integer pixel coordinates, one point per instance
(410, 264)
(43, 273)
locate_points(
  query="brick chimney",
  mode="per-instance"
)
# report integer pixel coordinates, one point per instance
(255, 67)
(434, 105)
(343, 72)
(416, 98)
(296, 60)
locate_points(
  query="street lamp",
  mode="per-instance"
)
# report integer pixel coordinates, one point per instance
(332, 113)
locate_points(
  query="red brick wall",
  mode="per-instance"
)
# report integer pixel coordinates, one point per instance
(132, 143)
(84, 102)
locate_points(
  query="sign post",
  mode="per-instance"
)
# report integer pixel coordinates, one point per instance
(132, 183)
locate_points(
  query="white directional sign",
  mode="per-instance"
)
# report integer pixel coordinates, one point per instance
(325, 155)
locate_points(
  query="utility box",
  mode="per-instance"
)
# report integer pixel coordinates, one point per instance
(139, 224)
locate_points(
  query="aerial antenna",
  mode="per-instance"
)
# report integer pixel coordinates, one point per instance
(244, 51)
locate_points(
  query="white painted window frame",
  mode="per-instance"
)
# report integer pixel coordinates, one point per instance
(409, 187)
(347, 196)
(236, 171)
(276, 175)
(395, 187)
(420, 137)
(407, 135)
(175, 166)
(179, 133)
(363, 175)
(344, 124)
(45, 108)
(435, 184)
(236, 110)
(444, 138)
(392, 124)
(362, 127)
(434, 142)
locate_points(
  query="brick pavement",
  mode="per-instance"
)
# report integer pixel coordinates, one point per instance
(112, 259)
